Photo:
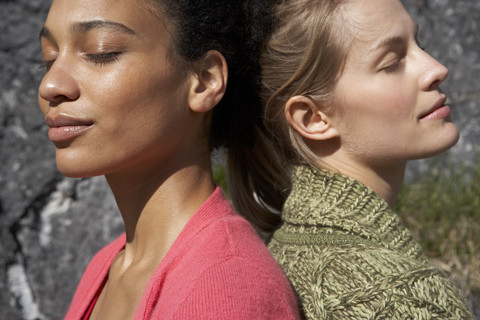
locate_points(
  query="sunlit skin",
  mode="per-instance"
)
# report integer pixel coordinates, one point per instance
(383, 101)
(117, 105)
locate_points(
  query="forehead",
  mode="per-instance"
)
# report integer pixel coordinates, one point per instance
(134, 14)
(371, 20)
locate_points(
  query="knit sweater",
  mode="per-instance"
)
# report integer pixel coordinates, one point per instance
(348, 255)
(218, 268)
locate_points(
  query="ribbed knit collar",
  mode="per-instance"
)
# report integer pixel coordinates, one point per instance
(322, 200)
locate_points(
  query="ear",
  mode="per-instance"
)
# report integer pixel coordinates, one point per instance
(209, 82)
(305, 117)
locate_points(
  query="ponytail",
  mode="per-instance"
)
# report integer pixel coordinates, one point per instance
(258, 183)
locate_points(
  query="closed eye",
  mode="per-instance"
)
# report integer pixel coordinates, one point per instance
(103, 58)
(394, 67)
(417, 41)
(46, 64)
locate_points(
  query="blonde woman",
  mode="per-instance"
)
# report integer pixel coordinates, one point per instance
(350, 98)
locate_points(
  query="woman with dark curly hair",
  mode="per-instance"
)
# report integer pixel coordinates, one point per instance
(142, 92)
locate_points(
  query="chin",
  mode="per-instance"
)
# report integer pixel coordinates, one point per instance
(75, 172)
(451, 138)
(76, 169)
(442, 143)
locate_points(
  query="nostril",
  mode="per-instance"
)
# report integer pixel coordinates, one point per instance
(54, 103)
(435, 84)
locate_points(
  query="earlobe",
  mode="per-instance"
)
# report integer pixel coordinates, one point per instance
(305, 117)
(209, 82)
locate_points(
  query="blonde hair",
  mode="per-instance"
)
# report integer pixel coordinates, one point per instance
(304, 56)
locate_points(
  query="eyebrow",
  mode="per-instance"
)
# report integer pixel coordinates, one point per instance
(390, 42)
(86, 26)
(393, 41)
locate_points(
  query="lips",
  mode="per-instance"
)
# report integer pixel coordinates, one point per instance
(438, 111)
(64, 128)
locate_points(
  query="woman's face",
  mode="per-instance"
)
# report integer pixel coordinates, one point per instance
(390, 107)
(112, 96)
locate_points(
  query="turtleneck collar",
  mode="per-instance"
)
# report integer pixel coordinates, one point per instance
(322, 201)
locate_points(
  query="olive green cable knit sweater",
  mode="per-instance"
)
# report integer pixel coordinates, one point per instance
(348, 256)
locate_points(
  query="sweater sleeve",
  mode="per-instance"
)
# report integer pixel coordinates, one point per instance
(380, 284)
(235, 289)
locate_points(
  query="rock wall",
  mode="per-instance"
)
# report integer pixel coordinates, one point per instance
(450, 31)
(51, 226)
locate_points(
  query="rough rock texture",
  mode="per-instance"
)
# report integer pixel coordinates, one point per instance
(450, 31)
(51, 226)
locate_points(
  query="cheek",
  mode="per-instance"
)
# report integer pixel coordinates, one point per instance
(43, 105)
(400, 102)
(373, 114)
(388, 103)
(134, 85)
(141, 104)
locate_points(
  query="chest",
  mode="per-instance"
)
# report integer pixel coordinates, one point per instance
(121, 295)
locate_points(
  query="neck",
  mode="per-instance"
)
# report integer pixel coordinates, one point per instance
(385, 180)
(156, 201)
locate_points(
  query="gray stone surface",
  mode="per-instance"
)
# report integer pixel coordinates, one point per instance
(51, 226)
(450, 31)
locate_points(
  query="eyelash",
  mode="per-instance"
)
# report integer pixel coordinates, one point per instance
(46, 64)
(394, 68)
(97, 58)
(103, 58)
(417, 41)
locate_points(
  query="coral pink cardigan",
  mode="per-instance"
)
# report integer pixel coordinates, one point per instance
(217, 269)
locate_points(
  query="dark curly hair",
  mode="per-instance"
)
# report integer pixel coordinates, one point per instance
(238, 30)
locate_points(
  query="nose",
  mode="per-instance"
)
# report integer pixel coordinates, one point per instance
(434, 73)
(59, 84)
